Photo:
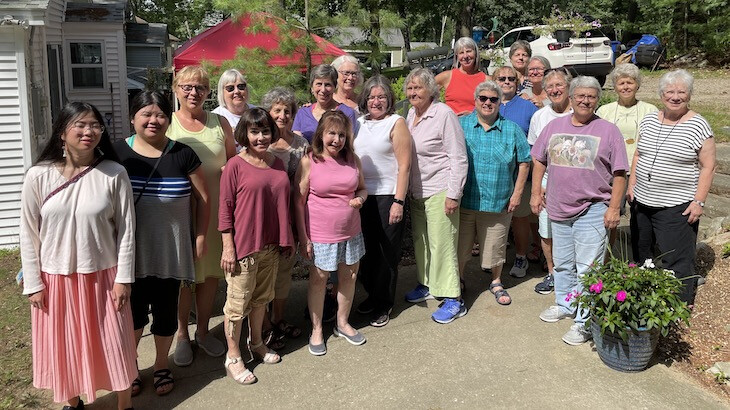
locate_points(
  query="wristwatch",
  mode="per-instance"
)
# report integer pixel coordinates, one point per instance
(399, 201)
(698, 202)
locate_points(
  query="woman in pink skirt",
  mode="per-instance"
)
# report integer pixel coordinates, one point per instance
(77, 247)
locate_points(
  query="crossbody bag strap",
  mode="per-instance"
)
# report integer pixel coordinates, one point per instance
(167, 149)
(72, 180)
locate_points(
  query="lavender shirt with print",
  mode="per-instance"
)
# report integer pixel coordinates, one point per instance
(582, 161)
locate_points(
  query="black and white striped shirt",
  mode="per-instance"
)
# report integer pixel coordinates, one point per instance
(668, 171)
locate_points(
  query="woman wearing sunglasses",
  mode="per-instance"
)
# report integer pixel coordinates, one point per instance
(499, 160)
(232, 97)
(211, 137)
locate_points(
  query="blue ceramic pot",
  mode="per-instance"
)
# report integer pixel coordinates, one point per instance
(625, 356)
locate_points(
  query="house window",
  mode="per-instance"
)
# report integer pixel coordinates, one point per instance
(87, 65)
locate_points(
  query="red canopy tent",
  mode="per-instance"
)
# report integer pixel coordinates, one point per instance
(220, 43)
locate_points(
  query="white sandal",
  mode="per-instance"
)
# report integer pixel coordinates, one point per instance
(241, 378)
(271, 357)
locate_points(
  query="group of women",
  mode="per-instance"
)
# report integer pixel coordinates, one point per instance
(150, 224)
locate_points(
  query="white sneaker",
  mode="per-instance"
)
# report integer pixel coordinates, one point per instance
(577, 335)
(553, 314)
(519, 269)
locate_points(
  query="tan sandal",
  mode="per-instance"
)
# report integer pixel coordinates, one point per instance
(270, 357)
(240, 378)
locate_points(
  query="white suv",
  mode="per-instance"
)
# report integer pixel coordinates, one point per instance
(584, 56)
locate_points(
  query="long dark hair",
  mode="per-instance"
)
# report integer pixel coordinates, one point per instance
(146, 98)
(53, 151)
(329, 119)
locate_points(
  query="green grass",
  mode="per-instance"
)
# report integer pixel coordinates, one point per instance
(16, 389)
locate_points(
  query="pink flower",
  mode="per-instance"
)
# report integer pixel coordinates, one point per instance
(597, 287)
(621, 295)
(632, 265)
(570, 296)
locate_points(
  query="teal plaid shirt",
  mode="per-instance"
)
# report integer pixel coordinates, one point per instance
(494, 156)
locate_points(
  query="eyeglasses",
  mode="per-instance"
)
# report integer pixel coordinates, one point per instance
(377, 97)
(583, 97)
(94, 126)
(483, 98)
(231, 87)
(560, 86)
(537, 70)
(200, 89)
(347, 74)
(505, 79)
(559, 69)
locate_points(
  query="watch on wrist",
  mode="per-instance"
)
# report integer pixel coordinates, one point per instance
(698, 202)
(399, 201)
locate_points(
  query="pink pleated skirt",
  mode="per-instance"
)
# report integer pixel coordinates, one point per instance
(81, 344)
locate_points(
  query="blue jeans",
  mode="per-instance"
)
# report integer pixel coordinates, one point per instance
(577, 243)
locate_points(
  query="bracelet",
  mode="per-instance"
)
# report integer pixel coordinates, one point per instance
(399, 201)
(698, 202)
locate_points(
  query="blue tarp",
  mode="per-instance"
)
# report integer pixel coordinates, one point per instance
(646, 39)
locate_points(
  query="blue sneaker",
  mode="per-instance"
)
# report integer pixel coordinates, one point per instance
(419, 294)
(449, 310)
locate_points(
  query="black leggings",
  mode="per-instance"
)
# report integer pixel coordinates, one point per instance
(675, 237)
(159, 294)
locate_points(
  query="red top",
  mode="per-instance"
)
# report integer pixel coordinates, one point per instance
(254, 202)
(459, 94)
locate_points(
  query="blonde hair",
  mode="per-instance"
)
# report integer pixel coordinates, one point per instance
(191, 72)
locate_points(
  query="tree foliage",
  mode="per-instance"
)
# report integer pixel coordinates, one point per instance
(184, 18)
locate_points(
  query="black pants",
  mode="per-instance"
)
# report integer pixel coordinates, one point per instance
(383, 249)
(159, 296)
(674, 236)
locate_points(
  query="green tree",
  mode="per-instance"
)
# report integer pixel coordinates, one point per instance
(184, 18)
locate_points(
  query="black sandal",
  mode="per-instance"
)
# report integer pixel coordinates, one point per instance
(79, 406)
(162, 377)
(500, 293)
(136, 387)
(291, 331)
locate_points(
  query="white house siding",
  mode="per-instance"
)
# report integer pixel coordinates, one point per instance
(15, 129)
(113, 99)
(54, 21)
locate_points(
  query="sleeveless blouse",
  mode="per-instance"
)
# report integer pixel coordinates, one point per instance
(459, 95)
(332, 184)
(375, 149)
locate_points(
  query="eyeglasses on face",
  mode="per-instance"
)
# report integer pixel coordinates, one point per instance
(559, 69)
(200, 89)
(377, 97)
(505, 79)
(537, 70)
(348, 74)
(483, 98)
(231, 87)
(82, 126)
(584, 97)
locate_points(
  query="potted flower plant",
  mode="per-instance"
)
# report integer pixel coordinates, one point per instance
(630, 305)
(562, 26)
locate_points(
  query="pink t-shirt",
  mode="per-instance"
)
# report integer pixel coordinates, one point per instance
(332, 184)
(254, 202)
(582, 162)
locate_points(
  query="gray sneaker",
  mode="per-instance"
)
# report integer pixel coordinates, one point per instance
(553, 314)
(183, 353)
(577, 335)
(519, 269)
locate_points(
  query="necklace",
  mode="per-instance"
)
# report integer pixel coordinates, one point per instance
(659, 145)
(625, 117)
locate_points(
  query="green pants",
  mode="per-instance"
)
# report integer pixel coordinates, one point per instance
(435, 238)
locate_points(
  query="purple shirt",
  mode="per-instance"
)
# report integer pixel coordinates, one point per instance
(305, 123)
(439, 161)
(582, 162)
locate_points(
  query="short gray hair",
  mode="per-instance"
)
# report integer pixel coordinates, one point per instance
(466, 43)
(520, 45)
(583, 81)
(425, 76)
(626, 70)
(560, 71)
(326, 71)
(229, 76)
(280, 95)
(346, 58)
(373, 82)
(488, 85)
(544, 61)
(675, 77)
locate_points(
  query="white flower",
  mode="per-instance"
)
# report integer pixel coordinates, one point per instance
(649, 264)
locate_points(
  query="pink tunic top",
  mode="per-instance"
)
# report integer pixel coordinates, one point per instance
(332, 184)
(254, 202)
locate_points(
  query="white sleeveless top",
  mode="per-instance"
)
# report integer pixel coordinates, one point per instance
(375, 149)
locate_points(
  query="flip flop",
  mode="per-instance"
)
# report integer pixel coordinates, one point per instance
(136, 387)
(500, 293)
